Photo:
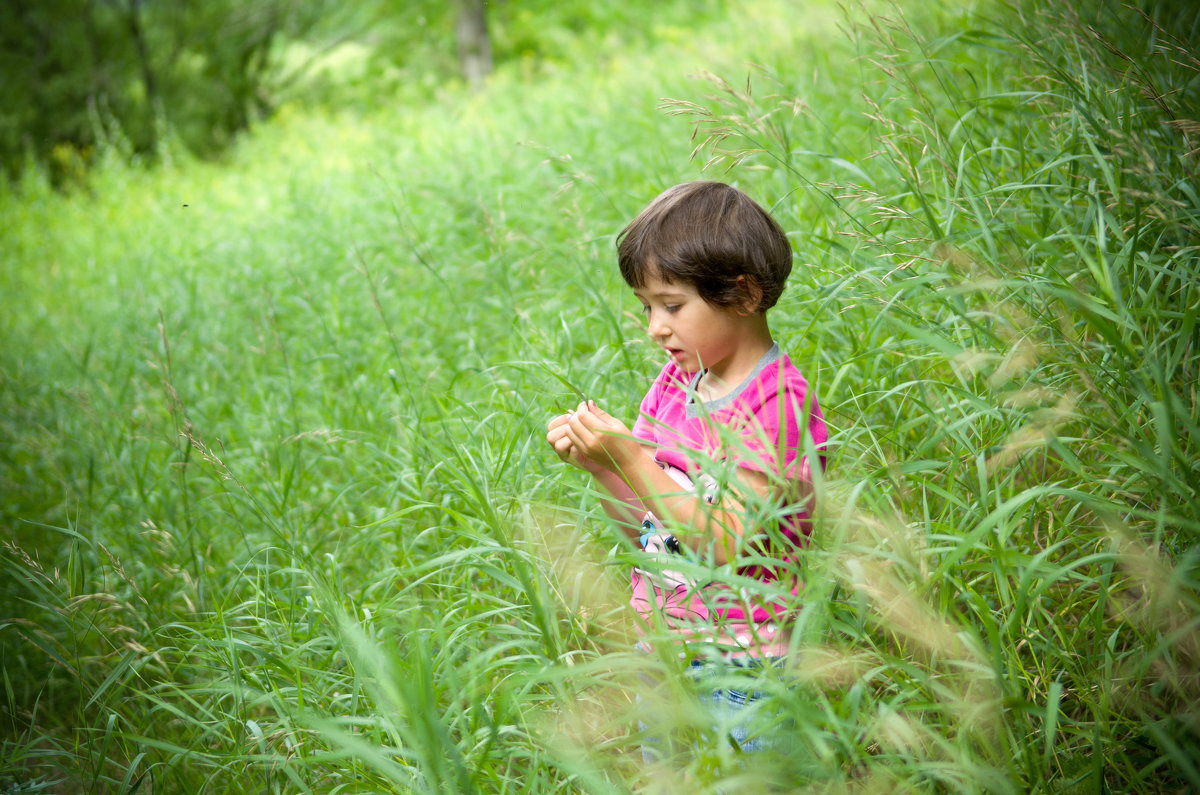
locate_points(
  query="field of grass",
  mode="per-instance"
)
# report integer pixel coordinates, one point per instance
(278, 515)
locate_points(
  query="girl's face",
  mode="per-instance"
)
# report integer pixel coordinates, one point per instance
(695, 333)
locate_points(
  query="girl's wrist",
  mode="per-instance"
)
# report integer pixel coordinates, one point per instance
(624, 456)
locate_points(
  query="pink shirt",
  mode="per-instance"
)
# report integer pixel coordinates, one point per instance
(765, 419)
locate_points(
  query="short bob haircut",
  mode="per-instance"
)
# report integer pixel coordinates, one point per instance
(712, 236)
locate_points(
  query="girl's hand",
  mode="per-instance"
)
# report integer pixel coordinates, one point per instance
(564, 448)
(599, 438)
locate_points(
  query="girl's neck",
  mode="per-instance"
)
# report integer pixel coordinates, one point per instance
(718, 381)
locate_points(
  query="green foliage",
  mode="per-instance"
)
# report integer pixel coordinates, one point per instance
(278, 515)
(1022, 254)
(131, 77)
(134, 80)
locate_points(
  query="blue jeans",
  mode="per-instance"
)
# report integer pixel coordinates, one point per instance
(731, 709)
(732, 712)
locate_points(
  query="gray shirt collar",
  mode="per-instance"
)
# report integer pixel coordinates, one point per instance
(698, 409)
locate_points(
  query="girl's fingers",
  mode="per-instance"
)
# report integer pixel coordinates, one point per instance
(601, 413)
(588, 419)
(561, 419)
(583, 438)
(590, 407)
(597, 421)
(574, 431)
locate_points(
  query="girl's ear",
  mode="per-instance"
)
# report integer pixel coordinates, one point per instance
(752, 294)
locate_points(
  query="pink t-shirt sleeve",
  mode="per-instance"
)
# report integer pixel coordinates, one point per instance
(772, 436)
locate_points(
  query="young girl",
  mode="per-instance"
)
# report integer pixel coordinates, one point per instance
(723, 429)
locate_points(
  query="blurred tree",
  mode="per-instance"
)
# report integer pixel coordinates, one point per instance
(474, 48)
(48, 79)
(75, 73)
(421, 37)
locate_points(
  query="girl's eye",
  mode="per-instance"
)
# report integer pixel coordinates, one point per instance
(645, 309)
(673, 308)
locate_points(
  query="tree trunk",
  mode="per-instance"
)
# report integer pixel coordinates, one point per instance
(133, 19)
(474, 48)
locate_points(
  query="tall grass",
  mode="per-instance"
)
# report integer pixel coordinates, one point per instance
(278, 515)
(1011, 342)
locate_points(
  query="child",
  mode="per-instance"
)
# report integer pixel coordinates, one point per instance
(706, 263)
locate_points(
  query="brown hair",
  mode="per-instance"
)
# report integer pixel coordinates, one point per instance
(712, 236)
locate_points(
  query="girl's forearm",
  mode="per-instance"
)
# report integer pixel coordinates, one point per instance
(659, 493)
(620, 503)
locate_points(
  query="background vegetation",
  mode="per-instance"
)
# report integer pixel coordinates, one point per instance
(90, 77)
(277, 511)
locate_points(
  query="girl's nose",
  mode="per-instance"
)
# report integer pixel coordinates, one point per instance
(656, 327)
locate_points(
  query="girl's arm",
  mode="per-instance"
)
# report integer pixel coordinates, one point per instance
(617, 499)
(620, 503)
(608, 445)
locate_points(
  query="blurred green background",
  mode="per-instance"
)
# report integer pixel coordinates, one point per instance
(290, 291)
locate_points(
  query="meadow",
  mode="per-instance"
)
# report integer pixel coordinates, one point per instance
(277, 510)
